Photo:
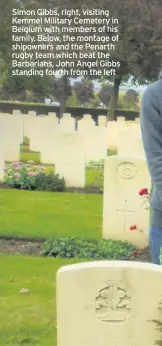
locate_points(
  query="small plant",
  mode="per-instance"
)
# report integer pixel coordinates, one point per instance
(49, 182)
(28, 177)
(20, 176)
(71, 247)
(95, 164)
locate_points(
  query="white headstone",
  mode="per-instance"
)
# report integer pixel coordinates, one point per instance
(52, 114)
(124, 177)
(70, 160)
(113, 128)
(130, 142)
(109, 303)
(11, 136)
(28, 123)
(120, 119)
(87, 117)
(32, 113)
(102, 120)
(19, 115)
(67, 123)
(86, 124)
(48, 145)
(36, 133)
(95, 143)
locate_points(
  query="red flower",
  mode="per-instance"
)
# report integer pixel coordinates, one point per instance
(133, 228)
(143, 192)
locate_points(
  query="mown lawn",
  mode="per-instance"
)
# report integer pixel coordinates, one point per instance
(45, 215)
(28, 319)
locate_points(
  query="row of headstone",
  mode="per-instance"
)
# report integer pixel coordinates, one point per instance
(121, 136)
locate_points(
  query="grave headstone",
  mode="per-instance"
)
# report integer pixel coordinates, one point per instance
(86, 124)
(113, 128)
(95, 143)
(129, 142)
(67, 123)
(124, 177)
(114, 303)
(48, 146)
(28, 123)
(121, 119)
(102, 120)
(70, 158)
(11, 136)
(52, 114)
(20, 118)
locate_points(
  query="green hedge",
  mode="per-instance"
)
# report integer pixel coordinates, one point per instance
(77, 112)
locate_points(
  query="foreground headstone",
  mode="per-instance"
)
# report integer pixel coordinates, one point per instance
(124, 177)
(70, 160)
(109, 303)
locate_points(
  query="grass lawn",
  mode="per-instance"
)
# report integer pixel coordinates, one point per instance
(37, 215)
(28, 319)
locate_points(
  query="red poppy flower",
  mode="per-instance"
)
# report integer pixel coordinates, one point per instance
(143, 192)
(133, 228)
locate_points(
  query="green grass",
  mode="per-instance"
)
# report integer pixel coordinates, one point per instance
(94, 178)
(44, 215)
(28, 319)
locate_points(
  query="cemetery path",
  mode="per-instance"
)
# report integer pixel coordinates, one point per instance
(33, 248)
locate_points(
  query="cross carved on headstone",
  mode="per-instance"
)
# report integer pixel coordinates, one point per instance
(126, 211)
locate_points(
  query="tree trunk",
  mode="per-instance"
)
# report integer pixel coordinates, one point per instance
(114, 99)
(63, 97)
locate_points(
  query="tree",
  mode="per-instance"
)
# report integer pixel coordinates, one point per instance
(105, 94)
(131, 97)
(61, 90)
(84, 91)
(139, 49)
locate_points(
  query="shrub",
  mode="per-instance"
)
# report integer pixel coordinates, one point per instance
(49, 182)
(95, 164)
(20, 176)
(29, 177)
(71, 247)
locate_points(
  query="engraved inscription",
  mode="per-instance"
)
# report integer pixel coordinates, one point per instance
(127, 170)
(125, 211)
(113, 303)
